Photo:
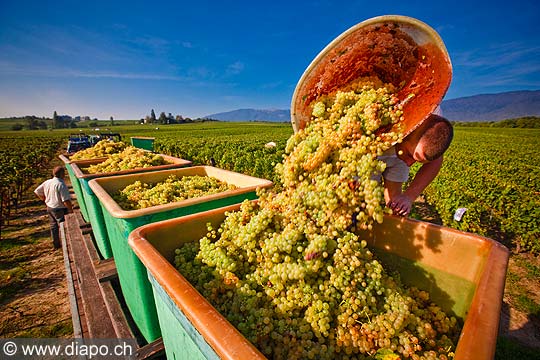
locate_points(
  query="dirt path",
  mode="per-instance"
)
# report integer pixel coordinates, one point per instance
(33, 290)
(520, 315)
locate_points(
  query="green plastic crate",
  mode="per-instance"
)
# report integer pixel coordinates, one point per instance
(120, 223)
(463, 272)
(91, 203)
(141, 142)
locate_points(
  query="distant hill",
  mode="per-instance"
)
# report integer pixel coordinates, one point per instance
(274, 115)
(493, 107)
(485, 107)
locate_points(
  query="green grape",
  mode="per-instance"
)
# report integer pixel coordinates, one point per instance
(129, 158)
(140, 195)
(103, 148)
(291, 273)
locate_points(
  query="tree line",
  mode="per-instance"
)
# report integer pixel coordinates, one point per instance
(164, 119)
(528, 122)
(32, 122)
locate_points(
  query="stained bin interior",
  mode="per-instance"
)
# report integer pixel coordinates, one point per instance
(120, 223)
(142, 142)
(463, 272)
(420, 83)
(91, 203)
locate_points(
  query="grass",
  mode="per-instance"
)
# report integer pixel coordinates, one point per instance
(518, 280)
(533, 271)
(60, 329)
(528, 305)
(9, 243)
(11, 281)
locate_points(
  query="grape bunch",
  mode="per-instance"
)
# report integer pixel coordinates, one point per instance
(292, 273)
(129, 158)
(103, 148)
(140, 195)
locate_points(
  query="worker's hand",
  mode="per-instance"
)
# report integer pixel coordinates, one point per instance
(400, 205)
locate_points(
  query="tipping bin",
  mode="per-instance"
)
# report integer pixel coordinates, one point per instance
(463, 272)
(142, 142)
(132, 274)
(76, 186)
(91, 202)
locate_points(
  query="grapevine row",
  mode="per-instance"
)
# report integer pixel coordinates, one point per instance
(494, 174)
(251, 153)
(22, 159)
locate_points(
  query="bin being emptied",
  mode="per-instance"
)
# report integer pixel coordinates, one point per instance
(142, 142)
(464, 274)
(134, 282)
(91, 202)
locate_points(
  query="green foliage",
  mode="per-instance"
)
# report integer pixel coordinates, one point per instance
(494, 174)
(28, 122)
(22, 159)
(238, 147)
(530, 122)
(491, 172)
(162, 118)
(57, 123)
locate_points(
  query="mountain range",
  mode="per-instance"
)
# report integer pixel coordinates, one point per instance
(484, 107)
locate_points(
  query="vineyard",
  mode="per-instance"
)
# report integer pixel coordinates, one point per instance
(245, 149)
(21, 160)
(493, 173)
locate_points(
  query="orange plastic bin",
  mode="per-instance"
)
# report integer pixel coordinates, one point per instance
(463, 272)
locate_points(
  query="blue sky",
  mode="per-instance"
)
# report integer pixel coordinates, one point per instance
(194, 58)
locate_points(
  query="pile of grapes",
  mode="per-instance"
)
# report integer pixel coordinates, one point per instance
(291, 273)
(141, 195)
(129, 158)
(103, 148)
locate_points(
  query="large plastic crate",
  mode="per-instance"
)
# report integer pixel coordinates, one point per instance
(463, 272)
(76, 186)
(120, 223)
(91, 203)
(143, 142)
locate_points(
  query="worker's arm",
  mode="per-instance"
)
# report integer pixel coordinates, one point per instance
(401, 203)
(392, 189)
(40, 197)
(40, 193)
(69, 206)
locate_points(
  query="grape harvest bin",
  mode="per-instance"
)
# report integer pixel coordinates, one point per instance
(75, 184)
(464, 274)
(91, 203)
(120, 223)
(143, 142)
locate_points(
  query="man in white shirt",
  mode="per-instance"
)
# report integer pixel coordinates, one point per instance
(55, 193)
